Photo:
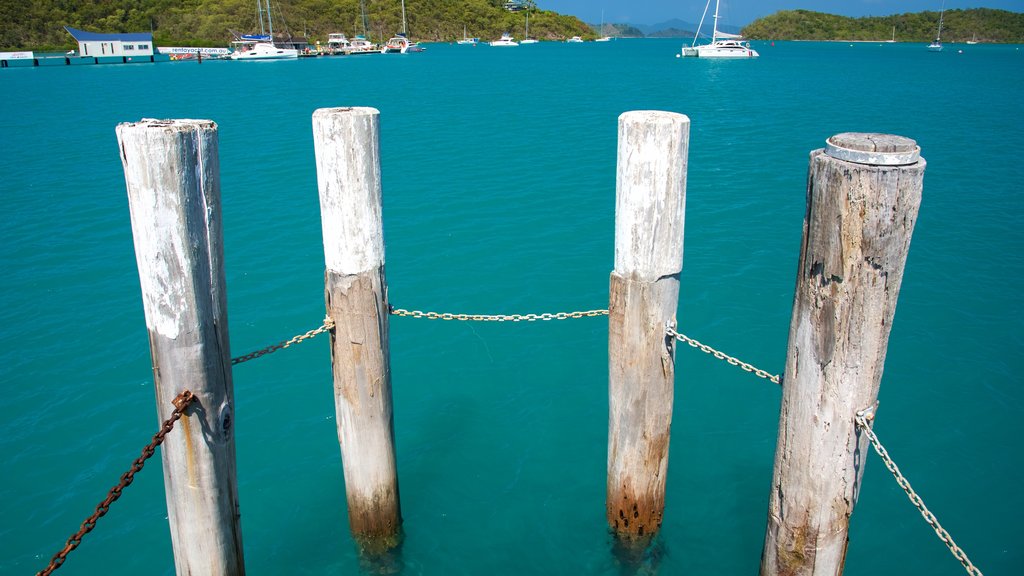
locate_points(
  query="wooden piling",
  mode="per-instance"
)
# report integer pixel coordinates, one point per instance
(863, 194)
(173, 179)
(347, 148)
(644, 291)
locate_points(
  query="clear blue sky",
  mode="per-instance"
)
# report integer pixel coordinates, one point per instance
(742, 12)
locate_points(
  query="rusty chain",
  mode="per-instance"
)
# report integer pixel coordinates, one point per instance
(723, 356)
(497, 317)
(958, 553)
(325, 327)
(181, 402)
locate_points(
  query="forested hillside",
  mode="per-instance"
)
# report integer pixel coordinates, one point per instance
(957, 26)
(38, 24)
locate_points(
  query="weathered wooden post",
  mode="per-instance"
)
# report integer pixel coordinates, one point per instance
(863, 193)
(644, 292)
(172, 173)
(347, 146)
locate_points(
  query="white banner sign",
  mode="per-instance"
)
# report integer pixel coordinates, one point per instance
(192, 50)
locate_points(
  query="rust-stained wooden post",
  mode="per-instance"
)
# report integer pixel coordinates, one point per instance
(644, 292)
(172, 174)
(347, 146)
(863, 194)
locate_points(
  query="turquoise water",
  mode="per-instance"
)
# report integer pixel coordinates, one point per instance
(499, 182)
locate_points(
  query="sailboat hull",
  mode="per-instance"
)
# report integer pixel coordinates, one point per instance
(721, 49)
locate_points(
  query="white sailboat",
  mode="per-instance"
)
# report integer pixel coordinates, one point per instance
(261, 47)
(603, 38)
(936, 46)
(526, 39)
(722, 45)
(400, 43)
(466, 39)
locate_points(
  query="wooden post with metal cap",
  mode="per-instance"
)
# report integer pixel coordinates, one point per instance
(644, 292)
(346, 143)
(863, 194)
(172, 174)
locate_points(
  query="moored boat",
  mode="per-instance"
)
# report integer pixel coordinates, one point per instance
(722, 45)
(526, 39)
(360, 45)
(505, 40)
(400, 43)
(337, 43)
(466, 39)
(261, 46)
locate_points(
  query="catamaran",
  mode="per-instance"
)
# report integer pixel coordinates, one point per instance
(261, 46)
(400, 43)
(722, 45)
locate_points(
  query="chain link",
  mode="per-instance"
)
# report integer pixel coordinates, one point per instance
(181, 402)
(496, 317)
(958, 553)
(325, 327)
(723, 356)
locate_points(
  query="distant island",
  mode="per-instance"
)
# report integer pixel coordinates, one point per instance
(980, 24)
(211, 22)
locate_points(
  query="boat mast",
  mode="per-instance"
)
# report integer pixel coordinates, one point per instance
(259, 16)
(362, 12)
(714, 31)
(404, 31)
(270, 22)
(943, 9)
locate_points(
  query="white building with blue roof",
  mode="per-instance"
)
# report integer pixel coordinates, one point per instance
(127, 46)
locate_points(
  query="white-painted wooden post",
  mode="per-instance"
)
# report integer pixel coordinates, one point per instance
(644, 292)
(347, 147)
(863, 194)
(173, 178)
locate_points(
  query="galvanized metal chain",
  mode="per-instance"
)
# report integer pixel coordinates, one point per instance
(325, 327)
(723, 356)
(181, 402)
(497, 317)
(958, 553)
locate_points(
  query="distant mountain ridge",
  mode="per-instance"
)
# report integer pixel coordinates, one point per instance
(674, 28)
(677, 24)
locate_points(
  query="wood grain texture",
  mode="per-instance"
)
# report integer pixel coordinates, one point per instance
(643, 296)
(363, 403)
(347, 144)
(172, 176)
(857, 233)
